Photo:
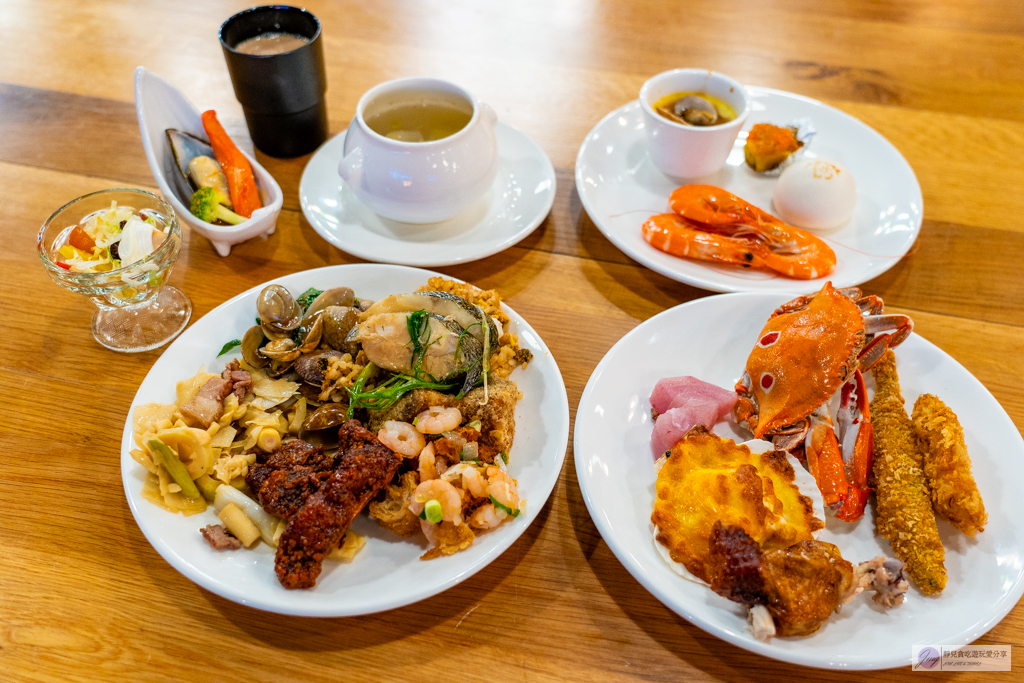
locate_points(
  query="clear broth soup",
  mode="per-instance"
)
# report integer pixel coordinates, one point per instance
(418, 115)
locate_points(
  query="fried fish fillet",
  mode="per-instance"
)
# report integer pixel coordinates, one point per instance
(708, 479)
(903, 506)
(947, 466)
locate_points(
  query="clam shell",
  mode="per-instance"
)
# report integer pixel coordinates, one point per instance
(311, 367)
(326, 416)
(252, 340)
(278, 309)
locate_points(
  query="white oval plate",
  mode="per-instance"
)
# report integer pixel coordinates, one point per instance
(620, 188)
(614, 466)
(387, 573)
(518, 201)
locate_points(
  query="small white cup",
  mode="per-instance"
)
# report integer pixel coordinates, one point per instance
(683, 151)
(420, 182)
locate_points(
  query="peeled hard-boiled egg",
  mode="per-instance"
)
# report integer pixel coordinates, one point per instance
(815, 194)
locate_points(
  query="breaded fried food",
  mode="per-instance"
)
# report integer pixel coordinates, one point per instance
(708, 479)
(903, 505)
(392, 512)
(497, 416)
(947, 466)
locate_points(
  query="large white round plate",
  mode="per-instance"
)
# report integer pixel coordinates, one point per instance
(518, 201)
(387, 573)
(620, 188)
(710, 339)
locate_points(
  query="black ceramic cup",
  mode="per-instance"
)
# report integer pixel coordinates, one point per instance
(282, 95)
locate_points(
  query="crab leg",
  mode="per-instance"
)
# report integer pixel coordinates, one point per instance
(824, 459)
(856, 434)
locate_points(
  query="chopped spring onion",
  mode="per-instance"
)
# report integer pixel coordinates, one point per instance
(504, 508)
(470, 452)
(433, 513)
(475, 424)
(169, 459)
(504, 456)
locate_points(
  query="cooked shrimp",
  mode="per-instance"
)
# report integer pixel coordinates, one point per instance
(402, 438)
(487, 517)
(444, 493)
(502, 487)
(436, 419)
(428, 463)
(471, 479)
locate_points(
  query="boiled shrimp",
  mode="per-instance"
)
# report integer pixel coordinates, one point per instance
(470, 478)
(502, 487)
(487, 517)
(402, 438)
(714, 225)
(444, 493)
(428, 463)
(436, 419)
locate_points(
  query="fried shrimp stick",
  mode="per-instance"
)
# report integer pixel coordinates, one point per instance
(904, 509)
(947, 466)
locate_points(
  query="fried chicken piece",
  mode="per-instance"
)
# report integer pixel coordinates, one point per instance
(801, 586)
(903, 506)
(947, 466)
(364, 467)
(289, 475)
(793, 591)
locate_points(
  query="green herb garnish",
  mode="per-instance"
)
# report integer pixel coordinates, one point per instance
(308, 296)
(504, 456)
(507, 509)
(385, 395)
(230, 345)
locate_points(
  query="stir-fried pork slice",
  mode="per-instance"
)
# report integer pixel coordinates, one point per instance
(207, 405)
(241, 380)
(365, 466)
(220, 538)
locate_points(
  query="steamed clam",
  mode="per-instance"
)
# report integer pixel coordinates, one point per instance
(279, 313)
(313, 366)
(252, 340)
(338, 321)
(336, 296)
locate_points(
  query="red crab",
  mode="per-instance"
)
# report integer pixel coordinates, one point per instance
(812, 349)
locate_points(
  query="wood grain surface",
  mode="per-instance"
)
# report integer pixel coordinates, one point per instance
(84, 597)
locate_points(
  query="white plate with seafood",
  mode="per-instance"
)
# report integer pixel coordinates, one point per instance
(387, 573)
(620, 188)
(615, 470)
(518, 201)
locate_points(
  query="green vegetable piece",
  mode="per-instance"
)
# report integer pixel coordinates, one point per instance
(206, 206)
(507, 509)
(475, 424)
(423, 514)
(169, 459)
(230, 345)
(208, 487)
(433, 513)
(504, 456)
(307, 297)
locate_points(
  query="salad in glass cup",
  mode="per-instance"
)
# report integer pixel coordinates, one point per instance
(118, 247)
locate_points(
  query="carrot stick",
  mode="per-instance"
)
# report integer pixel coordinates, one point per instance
(241, 184)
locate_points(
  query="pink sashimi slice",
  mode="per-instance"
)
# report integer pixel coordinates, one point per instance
(673, 392)
(683, 403)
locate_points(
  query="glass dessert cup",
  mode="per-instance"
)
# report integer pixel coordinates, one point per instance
(138, 311)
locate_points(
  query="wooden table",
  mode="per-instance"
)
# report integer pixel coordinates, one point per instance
(84, 597)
